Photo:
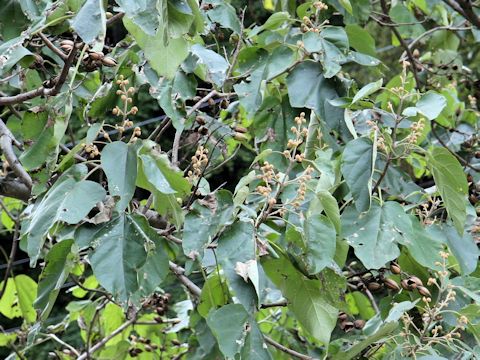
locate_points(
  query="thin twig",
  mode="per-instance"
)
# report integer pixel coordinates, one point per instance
(43, 91)
(402, 42)
(7, 140)
(11, 258)
(61, 342)
(106, 339)
(189, 284)
(114, 18)
(286, 350)
(52, 47)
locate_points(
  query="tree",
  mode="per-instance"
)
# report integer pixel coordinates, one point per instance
(239, 180)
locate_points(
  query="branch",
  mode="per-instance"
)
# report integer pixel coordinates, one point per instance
(114, 18)
(189, 284)
(43, 91)
(7, 140)
(14, 189)
(465, 9)
(52, 47)
(287, 350)
(395, 31)
(106, 339)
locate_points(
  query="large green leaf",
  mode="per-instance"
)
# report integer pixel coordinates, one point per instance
(119, 254)
(119, 162)
(213, 65)
(357, 169)
(237, 332)
(141, 14)
(374, 235)
(451, 183)
(69, 200)
(308, 88)
(306, 299)
(17, 301)
(320, 239)
(214, 294)
(367, 90)
(53, 277)
(90, 22)
(163, 58)
(236, 245)
(202, 223)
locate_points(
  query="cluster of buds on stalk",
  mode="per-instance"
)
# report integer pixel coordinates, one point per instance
(416, 130)
(302, 187)
(127, 99)
(91, 150)
(199, 162)
(267, 176)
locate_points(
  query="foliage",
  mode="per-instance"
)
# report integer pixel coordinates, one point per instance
(310, 189)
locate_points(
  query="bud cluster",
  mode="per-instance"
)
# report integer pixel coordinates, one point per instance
(199, 162)
(125, 94)
(91, 150)
(267, 176)
(302, 188)
(416, 130)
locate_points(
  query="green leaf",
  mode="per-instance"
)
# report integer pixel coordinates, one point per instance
(68, 200)
(430, 105)
(237, 245)
(155, 269)
(330, 206)
(214, 295)
(462, 247)
(202, 223)
(155, 176)
(119, 162)
(374, 234)
(17, 301)
(367, 90)
(320, 239)
(451, 183)
(309, 305)
(53, 277)
(119, 253)
(214, 65)
(308, 88)
(237, 332)
(163, 58)
(346, 5)
(224, 14)
(357, 169)
(360, 39)
(90, 22)
(141, 14)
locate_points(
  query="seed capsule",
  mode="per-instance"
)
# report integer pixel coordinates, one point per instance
(342, 316)
(359, 324)
(414, 281)
(96, 55)
(66, 42)
(395, 269)
(391, 284)
(240, 129)
(374, 286)
(108, 61)
(404, 283)
(423, 291)
(239, 136)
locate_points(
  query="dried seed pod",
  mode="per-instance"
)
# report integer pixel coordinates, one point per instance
(108, 61)
(240, 129)
(367, 276)
(355, 279)
(414, 281)
(158, 319)
(175, 342)
(404, 283)
(423, 291)
(67, 42)
(160, 310)
(395, 268)
(391, 284)
(359, 324)
(342, 316)
(203, 130)
(347, 326)
(66, 47)
(96, 55)
(239, 136)
(374, 286)
(200, 120)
